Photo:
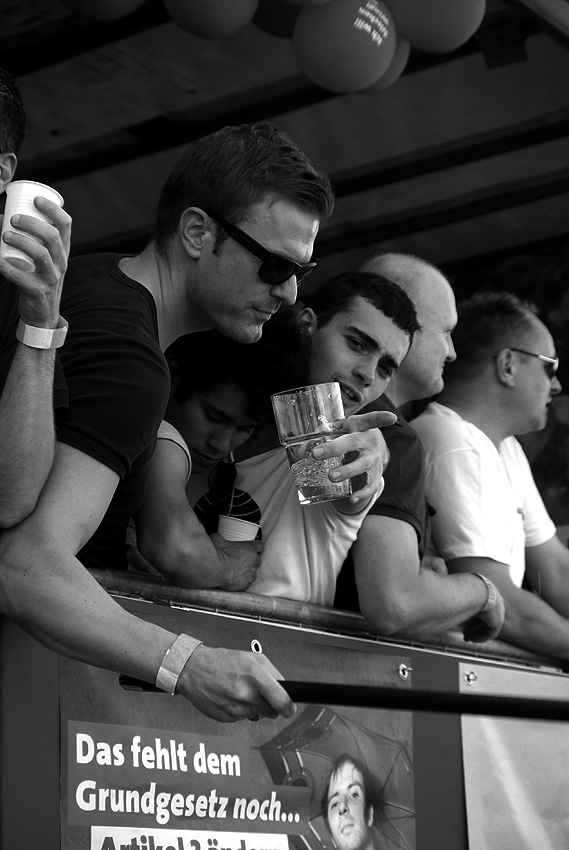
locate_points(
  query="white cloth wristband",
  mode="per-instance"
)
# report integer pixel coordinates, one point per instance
(46, 338)
(492, 596)
(174, 662)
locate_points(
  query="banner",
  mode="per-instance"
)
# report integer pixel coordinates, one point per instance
(145, 771)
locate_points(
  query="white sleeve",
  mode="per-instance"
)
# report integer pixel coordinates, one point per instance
(469, 519)
(168, 432)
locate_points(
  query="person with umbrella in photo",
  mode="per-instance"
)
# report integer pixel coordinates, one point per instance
(347, 806)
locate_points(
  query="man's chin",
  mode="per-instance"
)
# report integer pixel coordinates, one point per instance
(436, 388)
(246, 334)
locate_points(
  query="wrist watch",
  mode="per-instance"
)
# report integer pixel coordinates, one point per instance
(42, 337)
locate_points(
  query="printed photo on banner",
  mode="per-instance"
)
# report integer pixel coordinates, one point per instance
(322, 782)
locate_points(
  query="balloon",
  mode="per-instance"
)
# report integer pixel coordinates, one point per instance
(276, 17)
(396, 67)
(211, 18)
(102, 10)
(344, 45)
(437, 26)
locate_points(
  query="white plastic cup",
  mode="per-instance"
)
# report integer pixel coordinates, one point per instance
(305, 417)
(233, 528)
(20, 200)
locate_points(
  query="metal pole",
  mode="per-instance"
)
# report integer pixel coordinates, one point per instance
(403, 699)
(369, 696)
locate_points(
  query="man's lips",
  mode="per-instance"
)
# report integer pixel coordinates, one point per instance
(205, 460)
(352, 395)
(266, 314)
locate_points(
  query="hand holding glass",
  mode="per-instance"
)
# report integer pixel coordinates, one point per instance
(306, 417)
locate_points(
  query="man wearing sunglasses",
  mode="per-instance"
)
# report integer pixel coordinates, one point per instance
(123, 312)
(490, 518)
(355, 329)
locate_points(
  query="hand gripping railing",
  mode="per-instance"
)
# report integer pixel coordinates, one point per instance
(406, 699)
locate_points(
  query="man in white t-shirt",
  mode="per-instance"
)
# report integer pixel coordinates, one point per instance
(360, 326)
(490, 518)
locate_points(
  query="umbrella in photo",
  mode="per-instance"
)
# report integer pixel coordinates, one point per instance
(304, 753)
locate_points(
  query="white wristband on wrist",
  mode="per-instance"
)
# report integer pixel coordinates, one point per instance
(174, 662)
(492, 596)
(45, 338)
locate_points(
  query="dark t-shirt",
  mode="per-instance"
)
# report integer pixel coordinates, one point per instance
(118, 384)
(403, 495)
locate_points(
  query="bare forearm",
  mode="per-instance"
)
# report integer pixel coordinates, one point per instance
(430, 604)
(27, 438)
(400, 597)
(189, 561)
(530, 622)
(534, 625)
(58, 601)
(55, 599)
(547, 569)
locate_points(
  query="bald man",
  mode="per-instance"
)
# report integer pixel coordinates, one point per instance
(398, 592)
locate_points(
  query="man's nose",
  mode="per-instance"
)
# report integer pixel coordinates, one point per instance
(555, 385)
(286, 291)
(220, 440)
(365, 372)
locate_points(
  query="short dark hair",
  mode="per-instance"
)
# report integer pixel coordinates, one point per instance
(12, 115)
(279, 360)
(487, 323)
(337, 294)
(228, 171)
(368, 783)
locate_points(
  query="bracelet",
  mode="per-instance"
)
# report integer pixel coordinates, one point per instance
(46, 338)
(492, 596)
(174, 662)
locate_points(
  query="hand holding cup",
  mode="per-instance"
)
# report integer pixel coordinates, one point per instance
(34, 248)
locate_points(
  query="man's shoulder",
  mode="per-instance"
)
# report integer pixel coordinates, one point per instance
(96, 276)
(400, 434)
(84, 263)
(440, 426)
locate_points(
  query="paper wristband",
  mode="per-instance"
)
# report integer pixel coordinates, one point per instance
(46, 338)
(174, 662)
(492, 596)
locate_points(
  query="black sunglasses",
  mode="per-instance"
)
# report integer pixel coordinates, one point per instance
(550, 364)
(274, 269)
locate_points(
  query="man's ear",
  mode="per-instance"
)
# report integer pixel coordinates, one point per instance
(308, 320)
(370, 816)
(196, 229)
(8, 162)
(506, 367)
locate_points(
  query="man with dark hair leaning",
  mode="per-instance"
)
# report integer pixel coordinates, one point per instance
(387, 574)
(30, 330)
(354, 329)
(236, 223)
(489, 516)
